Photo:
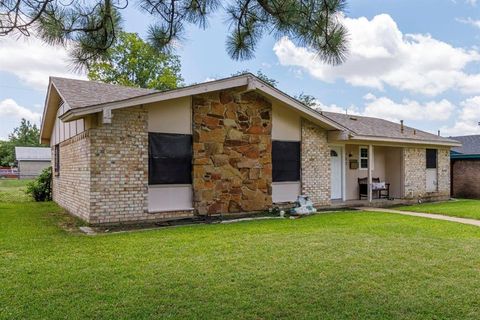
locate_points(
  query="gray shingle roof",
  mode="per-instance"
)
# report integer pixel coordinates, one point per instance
(33, 153)
(375, 127)
(470, 144)
(81, 93)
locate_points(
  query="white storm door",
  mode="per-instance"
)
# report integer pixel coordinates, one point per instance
(336, 172)
(432, 180)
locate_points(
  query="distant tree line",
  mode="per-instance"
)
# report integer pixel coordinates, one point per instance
(25, 135)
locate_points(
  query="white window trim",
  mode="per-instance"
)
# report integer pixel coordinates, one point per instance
(360, 157)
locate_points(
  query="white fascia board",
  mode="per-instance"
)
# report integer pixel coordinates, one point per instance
(285, 98)
(405, 141)
(73, 114)
(247, 80)
(51, 86)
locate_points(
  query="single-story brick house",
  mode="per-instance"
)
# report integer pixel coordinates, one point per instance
(32, 160)
(226, 146)
(465, 167)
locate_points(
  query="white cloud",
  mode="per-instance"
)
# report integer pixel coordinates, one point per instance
(470, 21)
(334, 108)
(380, 54)
(385, 108)
(10, 115)
(468, 121)
(33, 62)
(10, 108)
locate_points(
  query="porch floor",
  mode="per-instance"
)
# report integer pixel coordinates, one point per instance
(379, 203)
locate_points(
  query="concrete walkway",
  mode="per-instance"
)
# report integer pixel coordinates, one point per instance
(472, 222)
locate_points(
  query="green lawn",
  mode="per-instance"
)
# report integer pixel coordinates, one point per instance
(350, 265)
(458, 208)
(13, 190)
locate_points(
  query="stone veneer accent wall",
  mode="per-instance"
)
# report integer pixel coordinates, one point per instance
(315, 155)
(414, 160)
(71, 188)
(232, 166)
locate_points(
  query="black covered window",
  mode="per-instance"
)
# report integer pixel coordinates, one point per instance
(285, 161)
(169, 158)
(431, 158)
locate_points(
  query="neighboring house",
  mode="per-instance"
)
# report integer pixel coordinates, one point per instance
(32, 160)
(466, 167)
(226, 146)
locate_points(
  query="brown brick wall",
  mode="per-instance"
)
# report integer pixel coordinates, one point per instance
(315, 164)
(71, 188)
(232, 166)
(104, 172)
(119, 167)
(466, 179)
(414, 160)
(444, 172)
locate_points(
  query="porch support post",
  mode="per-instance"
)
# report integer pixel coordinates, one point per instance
(370, 166)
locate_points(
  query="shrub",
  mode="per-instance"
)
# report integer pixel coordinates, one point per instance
(41, 188)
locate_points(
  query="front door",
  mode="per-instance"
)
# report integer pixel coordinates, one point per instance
(336, 172)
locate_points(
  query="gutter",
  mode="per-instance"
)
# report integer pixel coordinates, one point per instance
(250, 81)
(465, 156)
(446, 142)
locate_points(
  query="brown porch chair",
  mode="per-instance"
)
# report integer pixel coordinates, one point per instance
(382, 193)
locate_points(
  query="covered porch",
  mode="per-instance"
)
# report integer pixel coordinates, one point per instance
(363, 174)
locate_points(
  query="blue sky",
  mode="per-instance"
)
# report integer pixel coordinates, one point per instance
(412, 60)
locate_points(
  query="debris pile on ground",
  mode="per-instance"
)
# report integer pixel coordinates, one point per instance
(303, 206)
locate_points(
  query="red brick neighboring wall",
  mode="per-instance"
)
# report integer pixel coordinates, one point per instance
(466, 179)
(232, 166)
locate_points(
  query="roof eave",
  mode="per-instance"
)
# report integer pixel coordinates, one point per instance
(248, 80)
(44, 138)
(446, 143)
(45, 107)
(464, 156)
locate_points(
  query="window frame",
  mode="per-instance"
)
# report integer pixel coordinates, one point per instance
(435, 151)
(56, 163)
(360, 158)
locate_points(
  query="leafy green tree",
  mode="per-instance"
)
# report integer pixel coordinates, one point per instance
(133, 62)
(25, 135)
(306, 99)
(93, 26)
(262, 76)
(7, 156)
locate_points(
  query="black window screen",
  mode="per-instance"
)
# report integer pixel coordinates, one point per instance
(169, 158)
(431, 158)
(285, 161)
